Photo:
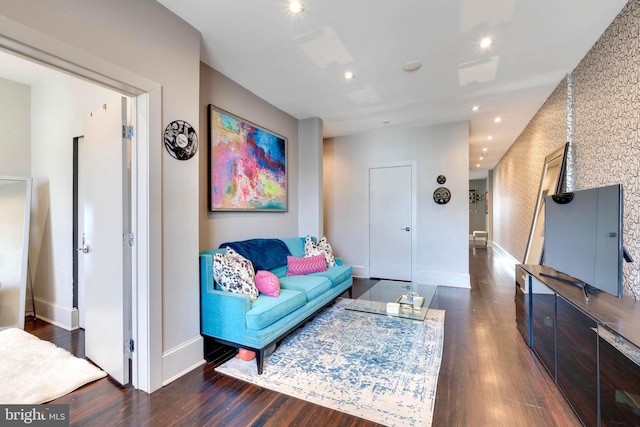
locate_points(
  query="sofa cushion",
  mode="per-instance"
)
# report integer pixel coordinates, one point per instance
(234, 273)
(295, 246)
(306, 265)
(336, 274)
(312, 286)
(280, 271)
(265, 310)
(268, 283)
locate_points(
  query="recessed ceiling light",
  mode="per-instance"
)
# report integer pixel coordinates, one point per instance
(481, 158)
(296, 7)
(497, 119)
(348, 75)
(486, 42)
(478, 165)
(484, 149)
(411, 66)
(475, 108)
(490, 137)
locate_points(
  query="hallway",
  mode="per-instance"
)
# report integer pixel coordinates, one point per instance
(488, 376)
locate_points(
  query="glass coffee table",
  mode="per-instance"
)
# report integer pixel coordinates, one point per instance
(375, 300)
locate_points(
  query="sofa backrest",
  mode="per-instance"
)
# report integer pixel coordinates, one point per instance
(294, 244)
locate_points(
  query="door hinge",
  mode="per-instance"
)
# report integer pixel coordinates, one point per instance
(127, 132)
(129, 347)
(128, 239)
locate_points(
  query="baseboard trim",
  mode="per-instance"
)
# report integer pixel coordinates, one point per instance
(50, 312)
(443, 279)
(359, 271)
(506, 256)
(182, 359)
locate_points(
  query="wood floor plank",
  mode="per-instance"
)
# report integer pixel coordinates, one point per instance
(488, 376)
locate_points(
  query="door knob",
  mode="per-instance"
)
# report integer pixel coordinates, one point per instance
(406, 229)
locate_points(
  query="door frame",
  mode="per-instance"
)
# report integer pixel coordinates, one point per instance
(146, 187)
(414, 208)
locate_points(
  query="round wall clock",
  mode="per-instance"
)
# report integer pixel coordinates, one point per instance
(442, 195)
(441, 179)
(180, 140)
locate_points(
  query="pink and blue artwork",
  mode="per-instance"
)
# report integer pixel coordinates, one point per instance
(248, 165)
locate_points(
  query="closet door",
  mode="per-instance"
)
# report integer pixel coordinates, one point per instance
(390, 219)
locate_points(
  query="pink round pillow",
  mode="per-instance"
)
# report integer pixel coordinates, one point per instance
(268, 283)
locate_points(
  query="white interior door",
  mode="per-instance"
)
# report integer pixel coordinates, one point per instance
(390, 221)
(105, 260)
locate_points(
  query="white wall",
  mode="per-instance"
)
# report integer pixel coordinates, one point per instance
(442, 246)
(15, 104)
(59, 107)
(140, 42)
(220, 227)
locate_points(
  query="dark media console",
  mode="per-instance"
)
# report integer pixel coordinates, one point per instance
(590, 347)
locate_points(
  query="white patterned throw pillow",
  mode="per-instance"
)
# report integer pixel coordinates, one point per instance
(322, 247)
(234, 273)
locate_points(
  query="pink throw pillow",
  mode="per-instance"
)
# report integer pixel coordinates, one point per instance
(268, 283)
(306, 265)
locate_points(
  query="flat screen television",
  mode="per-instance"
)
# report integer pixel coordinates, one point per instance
(583, 237)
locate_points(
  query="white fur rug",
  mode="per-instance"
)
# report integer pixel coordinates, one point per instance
(33, 371)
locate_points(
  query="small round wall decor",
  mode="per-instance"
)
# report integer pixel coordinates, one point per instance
(442, 195)
(180, 140)
(441, 179)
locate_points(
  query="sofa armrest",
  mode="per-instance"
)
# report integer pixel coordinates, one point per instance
(338, 261)
(206, 271)
(223, 314)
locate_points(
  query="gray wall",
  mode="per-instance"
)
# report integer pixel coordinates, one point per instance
(15, 123)
(140, 43)
(604, 125)
(220, 227)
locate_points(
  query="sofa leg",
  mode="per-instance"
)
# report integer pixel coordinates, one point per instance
(351, 292)
(260, 360)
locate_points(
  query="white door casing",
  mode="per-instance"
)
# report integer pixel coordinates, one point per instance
(391, 223)
(105, 259)
(82, 173)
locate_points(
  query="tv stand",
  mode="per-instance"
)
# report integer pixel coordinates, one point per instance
(586, 288)
(589, 346)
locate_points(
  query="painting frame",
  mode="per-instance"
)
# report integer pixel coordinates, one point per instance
(550, 184)
(247, 165)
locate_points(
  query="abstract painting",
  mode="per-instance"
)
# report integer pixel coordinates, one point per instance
(247, 165)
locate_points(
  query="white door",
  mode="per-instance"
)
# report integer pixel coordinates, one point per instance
(390, 220)
(104, 260)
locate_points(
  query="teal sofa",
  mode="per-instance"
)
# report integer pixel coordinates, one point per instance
(232, 319)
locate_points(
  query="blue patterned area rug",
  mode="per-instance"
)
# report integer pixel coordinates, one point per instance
(381, 368)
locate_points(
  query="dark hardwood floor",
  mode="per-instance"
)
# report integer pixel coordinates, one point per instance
(488, 376)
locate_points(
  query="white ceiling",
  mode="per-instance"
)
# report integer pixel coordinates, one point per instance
(296, 62)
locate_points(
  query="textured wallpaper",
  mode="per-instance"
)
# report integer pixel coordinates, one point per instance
(517, 176)
(606, 124)
(598, 108)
